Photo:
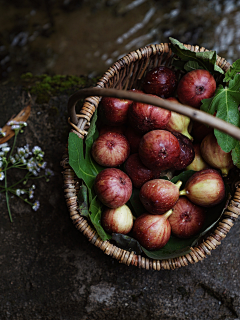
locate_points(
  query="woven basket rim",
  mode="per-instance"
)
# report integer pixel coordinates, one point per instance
(71, 182)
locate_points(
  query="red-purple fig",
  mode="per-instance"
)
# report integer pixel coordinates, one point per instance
(205, 188)
(152, 231)
(187, 218)
(110, 149)
(115, 110)
(198, 162)
(161, 81)
(145, 117)
(215, 156)
(187, 153)
(137, 171)
(118, 220)
(195, 86)
(113, 187)
(159, 195)
(159, 149)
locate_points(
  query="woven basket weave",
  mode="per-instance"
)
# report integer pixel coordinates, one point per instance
(125, 74)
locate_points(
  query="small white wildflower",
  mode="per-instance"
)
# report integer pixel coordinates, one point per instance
(1, 153)
(36, 205)
(3, 145)
(23, 160)
(2, 175)
(31, 193)
(49, 173)
(18, 192)
(15, 127)
(42, 165)
(35, 173)
(12, 160)
(21, 151)
(17, 157)
(36, 150)
(6, 149)
(33, 187)
(2, 133)
(23, 192)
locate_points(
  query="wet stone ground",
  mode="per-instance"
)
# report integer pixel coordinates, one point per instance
(49, 270)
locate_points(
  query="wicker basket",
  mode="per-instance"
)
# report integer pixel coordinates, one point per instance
(126, 74)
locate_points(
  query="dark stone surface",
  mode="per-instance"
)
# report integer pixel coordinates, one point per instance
(49, 270)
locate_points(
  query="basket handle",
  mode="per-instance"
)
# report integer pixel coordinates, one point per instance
(192, 113)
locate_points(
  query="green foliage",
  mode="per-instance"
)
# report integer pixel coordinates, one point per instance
(234, 69)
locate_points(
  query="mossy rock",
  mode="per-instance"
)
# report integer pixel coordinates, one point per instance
(45, 86)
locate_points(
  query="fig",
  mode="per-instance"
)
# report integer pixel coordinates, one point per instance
(198, 162)
(133, 137)
(159, 195)
(195, 86)
(187, 153)
(215, 156)
(152, 231)
(205, 188)
(145, 117)
(115, 110)
(137, 171)
(113, 187)
(110, 149)
(160, 81)
(118, 220)
(113, 129)
(159, 149)
(178, 122)
(187, 218)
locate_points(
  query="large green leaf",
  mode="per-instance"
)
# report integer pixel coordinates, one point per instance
(234, 69)
(206, 60)
(225, 104)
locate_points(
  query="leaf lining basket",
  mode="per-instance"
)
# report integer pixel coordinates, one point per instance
(122, 75)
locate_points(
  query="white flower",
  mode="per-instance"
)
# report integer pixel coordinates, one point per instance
(2, 133)
(23, 192)
(1, 153)
(23, 160)
(31, 193)
(35, 173)
(4, 145)
(18, 192)
(6, 149)
(15, 127)
(36, 205)
(21, 151)
(36, 150)
(42, 165)
(2, 175)
(49, 173)
(33, 187)
(12, 160)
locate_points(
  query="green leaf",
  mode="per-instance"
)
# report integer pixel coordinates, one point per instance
(192, 65)
(83, 165)
(206, 60)
(127, 243)
(225, 102)
(183, 176)
(234, 69)
(236, 155)
(95, 217)
(83, 200)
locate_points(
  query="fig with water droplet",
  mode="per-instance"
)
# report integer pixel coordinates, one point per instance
(137, 171)
(159, 149)
(195, 86)
(114, 111)
(117, 220)
(152, 231)
(110, 149)
(187, 153)
(146, 117)
(198, 162)
(113, 187)
(160, 81)
(159, 195)
(187, 218)
(178, 122)
(205, 188)
(213, 154)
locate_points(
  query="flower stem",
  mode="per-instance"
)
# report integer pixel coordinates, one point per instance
(7, 197)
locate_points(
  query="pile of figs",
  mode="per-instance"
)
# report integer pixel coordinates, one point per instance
(140, 144)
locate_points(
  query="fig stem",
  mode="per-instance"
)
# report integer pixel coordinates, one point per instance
(224, 172)
(178, 184)
(187, 134)
(168, 213)
(183, 193)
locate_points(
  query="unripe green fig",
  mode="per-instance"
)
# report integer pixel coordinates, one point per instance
(205, 188)
(215, 156)
(198, 161)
